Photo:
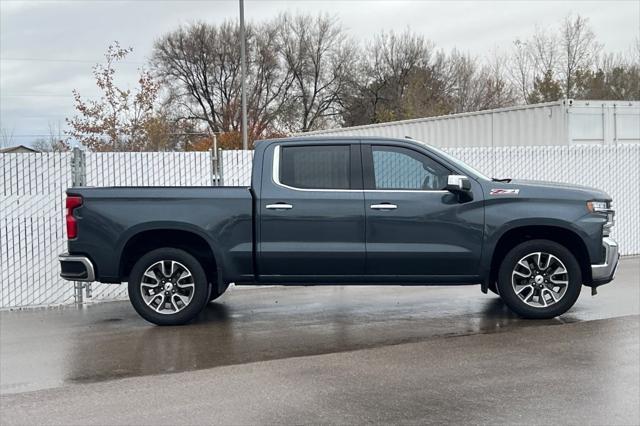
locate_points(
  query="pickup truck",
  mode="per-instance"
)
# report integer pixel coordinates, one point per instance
(359, 210)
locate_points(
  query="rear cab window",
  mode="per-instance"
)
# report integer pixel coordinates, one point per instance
(316, 166)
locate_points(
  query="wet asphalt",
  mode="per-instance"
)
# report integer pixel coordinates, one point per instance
(329, 355)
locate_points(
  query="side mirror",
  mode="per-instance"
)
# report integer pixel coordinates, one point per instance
(458, 184)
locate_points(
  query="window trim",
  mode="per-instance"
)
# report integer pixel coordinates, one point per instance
(368, 172)
(275, 176)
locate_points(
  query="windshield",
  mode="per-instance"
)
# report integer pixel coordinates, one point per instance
(458, 163)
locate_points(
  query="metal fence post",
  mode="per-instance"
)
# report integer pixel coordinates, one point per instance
(220, 168)
(78, 178)
(215, 162)
(78, 168)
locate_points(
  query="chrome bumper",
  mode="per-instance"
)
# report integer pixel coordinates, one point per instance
(76, 268)
(602, 274)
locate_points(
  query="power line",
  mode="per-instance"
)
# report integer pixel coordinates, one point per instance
(35, 95)
(38, 135)
(81, 61)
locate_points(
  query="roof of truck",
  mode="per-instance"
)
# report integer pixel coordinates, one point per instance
(335, 138)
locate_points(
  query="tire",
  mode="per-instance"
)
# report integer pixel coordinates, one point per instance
(173, 273)
(214, 291)
(493, 288)
(545, 291)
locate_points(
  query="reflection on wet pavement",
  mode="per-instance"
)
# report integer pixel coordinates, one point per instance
(48, 348)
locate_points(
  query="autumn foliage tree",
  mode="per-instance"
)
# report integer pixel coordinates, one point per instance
(120, 119)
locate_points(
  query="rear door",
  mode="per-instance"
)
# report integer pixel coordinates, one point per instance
(414, 226)
(312, 213)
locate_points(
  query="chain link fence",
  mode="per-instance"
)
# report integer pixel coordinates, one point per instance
(33, 191)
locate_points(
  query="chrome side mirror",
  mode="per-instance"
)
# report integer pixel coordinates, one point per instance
(458, 184)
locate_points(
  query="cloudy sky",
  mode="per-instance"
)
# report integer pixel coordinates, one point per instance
(47, 48)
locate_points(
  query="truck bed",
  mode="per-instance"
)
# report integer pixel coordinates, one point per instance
(111, 216)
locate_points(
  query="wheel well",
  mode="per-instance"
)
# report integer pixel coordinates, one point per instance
(562, 236)
(146, 241)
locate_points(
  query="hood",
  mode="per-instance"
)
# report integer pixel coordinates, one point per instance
(534, 188)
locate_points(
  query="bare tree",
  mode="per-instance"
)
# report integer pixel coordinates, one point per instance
(495, 78)
(321, 59)
(580, 51)
(397, 79)
(428, 90)
(521, 69)
(6, 138)
(550, 61)
(462, 89)
(200, 66)
(616, 77)
(54, 142)
(544, 51)
(117, 120)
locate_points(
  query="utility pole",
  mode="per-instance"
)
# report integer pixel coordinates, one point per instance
(243, 76)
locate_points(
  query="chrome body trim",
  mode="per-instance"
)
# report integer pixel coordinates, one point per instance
(384, 206)
(275, 177)
(605, 272)
(91, 275)
(279, 206)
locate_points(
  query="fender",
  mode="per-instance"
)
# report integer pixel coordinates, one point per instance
(492, 238)
(175, 226)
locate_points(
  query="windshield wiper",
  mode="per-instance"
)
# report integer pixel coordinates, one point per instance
(506, 180)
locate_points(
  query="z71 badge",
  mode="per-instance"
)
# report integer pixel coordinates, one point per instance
(504, 192)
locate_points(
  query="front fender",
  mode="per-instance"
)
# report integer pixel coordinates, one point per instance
(569, 216)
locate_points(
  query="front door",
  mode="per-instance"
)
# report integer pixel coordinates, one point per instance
(415, 228)
(311, 213)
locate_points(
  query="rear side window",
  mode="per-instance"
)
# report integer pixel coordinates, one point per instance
(316, 166)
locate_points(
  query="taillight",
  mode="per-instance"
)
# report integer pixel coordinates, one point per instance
(73, 201)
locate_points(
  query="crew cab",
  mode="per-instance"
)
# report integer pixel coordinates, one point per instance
(349, 210)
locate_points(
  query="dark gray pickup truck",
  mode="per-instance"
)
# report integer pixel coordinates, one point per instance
(343, 211)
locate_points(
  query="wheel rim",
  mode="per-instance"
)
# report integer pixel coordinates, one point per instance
(167, 287)
(540, 279)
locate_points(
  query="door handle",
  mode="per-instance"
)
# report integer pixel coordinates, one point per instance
(384, 206)
(279, 206)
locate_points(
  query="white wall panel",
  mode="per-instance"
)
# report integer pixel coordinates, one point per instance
(553, 123)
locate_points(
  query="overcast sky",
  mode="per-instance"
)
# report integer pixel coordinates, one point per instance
(48, 47)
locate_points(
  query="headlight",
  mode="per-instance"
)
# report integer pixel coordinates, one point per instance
(603, 207)
(597, 206)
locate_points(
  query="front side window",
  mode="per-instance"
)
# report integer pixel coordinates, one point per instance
(316, 166)
(405, 169)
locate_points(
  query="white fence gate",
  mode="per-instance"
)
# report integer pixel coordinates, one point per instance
(32, 231)
(33, 185)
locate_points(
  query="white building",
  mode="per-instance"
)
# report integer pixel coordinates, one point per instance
(565, 122)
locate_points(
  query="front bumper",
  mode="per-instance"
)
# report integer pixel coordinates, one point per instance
(604, 273)
(76, 268)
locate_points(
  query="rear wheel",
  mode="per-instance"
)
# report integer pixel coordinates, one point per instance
(168, 286)
(539, 279)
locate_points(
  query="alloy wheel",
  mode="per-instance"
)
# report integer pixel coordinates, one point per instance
(540, 279)
(167, 287)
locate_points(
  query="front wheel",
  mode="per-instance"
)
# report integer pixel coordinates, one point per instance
(168, 286)
(539, 279)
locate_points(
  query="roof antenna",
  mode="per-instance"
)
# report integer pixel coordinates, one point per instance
(409, 137)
